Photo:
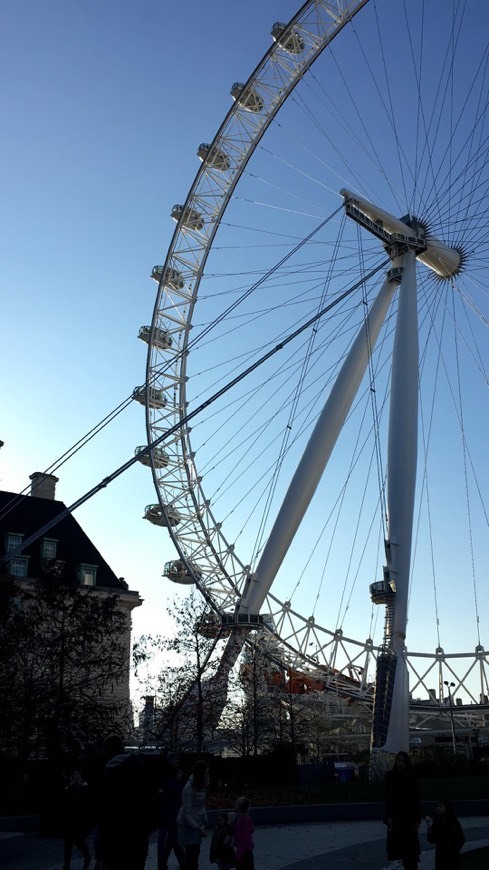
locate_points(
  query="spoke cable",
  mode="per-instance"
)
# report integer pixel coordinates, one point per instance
(54, 466)
(466, 480)
(293, 411)
(188, 417)
(373, 397)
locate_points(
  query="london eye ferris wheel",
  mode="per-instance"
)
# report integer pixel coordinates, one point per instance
(333, 248)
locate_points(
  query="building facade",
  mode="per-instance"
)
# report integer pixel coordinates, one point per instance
(65, 556)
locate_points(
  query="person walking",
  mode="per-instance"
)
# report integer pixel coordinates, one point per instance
(192, 816)
(76, 825)
(445, 831)
(128, 809)
(170, 801)
(402, 813)
(243, 835)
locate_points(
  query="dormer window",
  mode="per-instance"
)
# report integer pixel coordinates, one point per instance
(48, 548)
(88, 575)
(18, 567)
(12, 541)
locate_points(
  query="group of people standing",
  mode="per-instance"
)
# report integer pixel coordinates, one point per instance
(128, 814)
(184, 824)
(128, 809)
(403, 819)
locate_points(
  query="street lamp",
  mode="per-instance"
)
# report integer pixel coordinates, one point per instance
(449, 687)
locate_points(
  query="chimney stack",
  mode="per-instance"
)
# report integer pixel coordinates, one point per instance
(43, 485)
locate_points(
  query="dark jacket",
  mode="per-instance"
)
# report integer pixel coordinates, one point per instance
(402, 812)
(222, 850)
(76, 809)
(447, 834)
(170, 801)
(129, 798)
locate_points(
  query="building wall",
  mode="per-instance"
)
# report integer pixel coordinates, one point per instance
(64, 551)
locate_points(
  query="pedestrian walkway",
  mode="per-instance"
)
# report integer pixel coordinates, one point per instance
(337, 845)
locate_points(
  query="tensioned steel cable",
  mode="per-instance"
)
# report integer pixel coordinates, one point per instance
(205, 404)
(68, 454)
(291, 419)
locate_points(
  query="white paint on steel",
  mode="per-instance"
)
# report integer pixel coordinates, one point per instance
(318, 451)
(443, 260)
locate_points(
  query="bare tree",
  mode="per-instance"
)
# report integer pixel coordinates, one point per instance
(63, 661)
(187, 695)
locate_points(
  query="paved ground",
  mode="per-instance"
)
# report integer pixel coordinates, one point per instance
(335, 845)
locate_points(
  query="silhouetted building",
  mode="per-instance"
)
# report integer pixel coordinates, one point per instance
(65, 552)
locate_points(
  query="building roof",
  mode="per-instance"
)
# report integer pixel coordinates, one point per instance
(25, 515)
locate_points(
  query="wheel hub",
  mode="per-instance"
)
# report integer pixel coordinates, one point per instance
(443, 260)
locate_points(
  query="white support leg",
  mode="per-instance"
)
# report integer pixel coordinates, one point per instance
(403, 440)
(401, 483)
(317, 453)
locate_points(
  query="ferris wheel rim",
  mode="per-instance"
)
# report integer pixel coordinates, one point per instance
(337, 14)
(239, 568)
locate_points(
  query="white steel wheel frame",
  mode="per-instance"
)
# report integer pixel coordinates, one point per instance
(201, 542)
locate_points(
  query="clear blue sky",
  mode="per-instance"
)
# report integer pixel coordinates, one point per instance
(103, 107)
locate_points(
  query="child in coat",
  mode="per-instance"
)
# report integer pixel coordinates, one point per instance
(222, 848)
(243, 835)
(446, 833)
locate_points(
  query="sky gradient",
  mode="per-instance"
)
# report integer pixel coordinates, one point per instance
(105, 106)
